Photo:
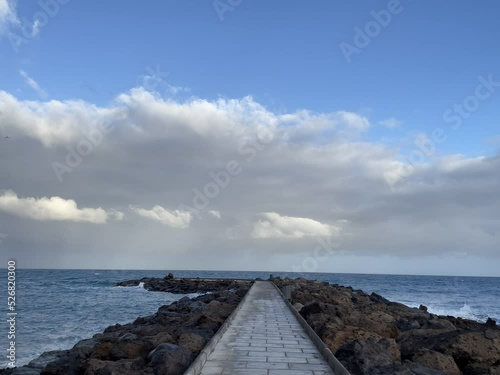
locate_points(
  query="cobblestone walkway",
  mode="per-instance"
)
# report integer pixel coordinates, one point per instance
(265, 338)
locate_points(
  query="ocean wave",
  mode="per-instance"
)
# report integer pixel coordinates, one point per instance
(140, 286)
(465, 312)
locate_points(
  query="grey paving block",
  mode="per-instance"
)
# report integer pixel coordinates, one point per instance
(265, 338)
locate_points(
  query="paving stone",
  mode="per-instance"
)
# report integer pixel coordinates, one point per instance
(265, 338)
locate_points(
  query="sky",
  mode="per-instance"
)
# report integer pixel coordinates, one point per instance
(329, 136)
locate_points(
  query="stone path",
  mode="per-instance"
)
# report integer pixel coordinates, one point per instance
(265, 338)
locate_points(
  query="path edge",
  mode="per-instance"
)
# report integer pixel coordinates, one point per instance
(197, 365)
(337, 367)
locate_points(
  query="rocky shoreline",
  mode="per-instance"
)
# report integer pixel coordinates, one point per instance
(182, 285)
(367, 333)
(166, 342)
(371, 335)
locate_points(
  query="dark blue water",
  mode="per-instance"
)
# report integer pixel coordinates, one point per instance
(57, 308)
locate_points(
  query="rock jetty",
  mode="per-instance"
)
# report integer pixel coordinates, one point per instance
(371, 335)
(163, 343)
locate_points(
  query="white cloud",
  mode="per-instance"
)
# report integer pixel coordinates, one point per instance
(277, 226)
(303, 124)
(215, 214)
(50, 209)
(452, 163)
(148, 115)
(9, 20)
(173, 218)
(8, 16)
(353, 120)
(162, 150)
(32, 83)
(390, 122)
(53, 122)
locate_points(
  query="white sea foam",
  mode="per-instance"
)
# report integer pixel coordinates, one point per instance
(465, 312)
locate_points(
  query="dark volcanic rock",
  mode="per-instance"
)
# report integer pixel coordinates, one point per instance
(436, 360)
(491, 322)
(360, 356)
(163, 343)
(184, 286)
(372, 335)
(170, 359)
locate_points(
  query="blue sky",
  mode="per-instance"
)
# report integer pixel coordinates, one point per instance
(286, 55)
(345, 122)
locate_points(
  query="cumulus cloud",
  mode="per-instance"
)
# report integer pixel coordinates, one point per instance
(54, 122)
(173, 218)
(149, 115)
(33, 84)
(318, 166)
(51, 209)
(277, 226)
(353, 120)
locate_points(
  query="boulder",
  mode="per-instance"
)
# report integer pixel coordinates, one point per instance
(192, 341)
(411, 341)
(113, 351)
(491, 323)
(128, 337)
(46, 358)
(161, 338)
(406, 325)
(336, 336)
(298, 306)
(472, 348)
(100, 367)
(492, 334)
(436, 360)
(438, 323)
(423, 308)
(360, 356)
(169, 359)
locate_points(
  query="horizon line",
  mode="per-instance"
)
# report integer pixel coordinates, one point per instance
(270, 272)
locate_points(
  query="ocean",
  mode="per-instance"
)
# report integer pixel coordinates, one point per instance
(57, 308)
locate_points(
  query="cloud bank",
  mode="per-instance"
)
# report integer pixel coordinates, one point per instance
(296, 176)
